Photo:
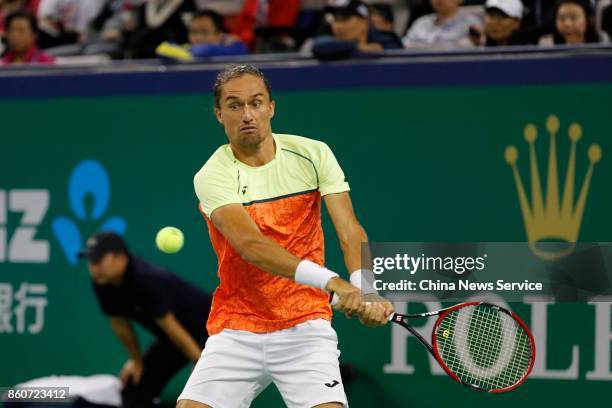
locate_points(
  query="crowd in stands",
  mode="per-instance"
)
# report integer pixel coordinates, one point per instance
(49, 31)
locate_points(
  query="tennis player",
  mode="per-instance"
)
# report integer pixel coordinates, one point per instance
(270, 318)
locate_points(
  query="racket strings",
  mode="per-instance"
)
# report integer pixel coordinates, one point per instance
(468, 370)
(492, 340)
(514, 370)
(484, 347)
(491, 337)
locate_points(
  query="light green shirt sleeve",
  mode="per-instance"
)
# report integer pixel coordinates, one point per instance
(331, 176)
(215, 188)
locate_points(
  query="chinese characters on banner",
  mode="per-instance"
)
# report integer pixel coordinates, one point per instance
(22, 309)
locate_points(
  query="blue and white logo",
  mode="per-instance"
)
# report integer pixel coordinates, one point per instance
(89, 178)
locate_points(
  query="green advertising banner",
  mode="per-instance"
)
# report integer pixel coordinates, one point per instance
(424, 164)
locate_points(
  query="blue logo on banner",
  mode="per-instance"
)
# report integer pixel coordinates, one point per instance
(89, 178)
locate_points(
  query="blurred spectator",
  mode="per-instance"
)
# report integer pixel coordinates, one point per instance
(158, 21)
(103, 35)
(420, 8)
(10, 6)
(208, 37)
(383, 20)
(447, 27)
(229, 9)
(21, 35)
(264, 13)
(396, 11)
(351, 34)
(106, 31)
(66, 21)
(574, 24)
(502, 25)
(381, 17)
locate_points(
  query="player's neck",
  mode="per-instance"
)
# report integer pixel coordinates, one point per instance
(257, 155)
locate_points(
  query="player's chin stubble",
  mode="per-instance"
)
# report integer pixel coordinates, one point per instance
(250, 141)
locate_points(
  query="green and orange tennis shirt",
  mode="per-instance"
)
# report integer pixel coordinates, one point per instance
(283, 197)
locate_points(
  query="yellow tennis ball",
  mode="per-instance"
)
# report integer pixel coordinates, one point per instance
(169, 240)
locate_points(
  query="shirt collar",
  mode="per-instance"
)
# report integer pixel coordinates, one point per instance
(277, 149)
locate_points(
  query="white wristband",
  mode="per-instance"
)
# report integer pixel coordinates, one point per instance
(309, 273)
(364, 280)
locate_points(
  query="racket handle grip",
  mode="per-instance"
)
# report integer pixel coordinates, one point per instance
(335, 299)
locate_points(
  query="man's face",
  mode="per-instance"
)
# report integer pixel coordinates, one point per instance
(352, 28)
(445, 6)
(108, 269)
(245, 111)
(20, 36)
(202, 30)
(499, 26)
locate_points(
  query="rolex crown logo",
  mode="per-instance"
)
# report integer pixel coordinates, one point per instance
(556, 216)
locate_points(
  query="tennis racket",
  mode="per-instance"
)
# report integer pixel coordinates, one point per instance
(480, 345)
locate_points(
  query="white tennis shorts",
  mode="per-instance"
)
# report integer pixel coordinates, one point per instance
(237, 365)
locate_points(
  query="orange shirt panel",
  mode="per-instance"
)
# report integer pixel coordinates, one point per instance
(251, 299)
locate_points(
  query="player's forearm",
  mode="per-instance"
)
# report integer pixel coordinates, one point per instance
(268, 255)
(351, 238)
(126, 334)
(257, 249)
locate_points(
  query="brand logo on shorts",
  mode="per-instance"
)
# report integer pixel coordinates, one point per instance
(332, 384)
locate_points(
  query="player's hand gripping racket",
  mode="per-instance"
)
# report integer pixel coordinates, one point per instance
(481, 345)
